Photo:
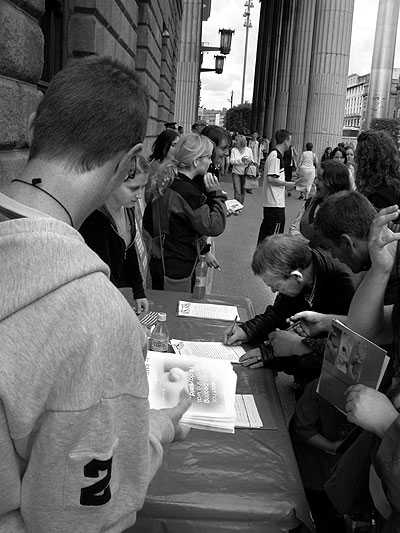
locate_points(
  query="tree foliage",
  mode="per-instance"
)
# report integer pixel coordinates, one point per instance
(391, 125)
(238, 119)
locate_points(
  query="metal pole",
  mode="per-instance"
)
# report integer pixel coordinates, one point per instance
(247, 24)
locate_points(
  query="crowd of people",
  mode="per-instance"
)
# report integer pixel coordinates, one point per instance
(74, 388)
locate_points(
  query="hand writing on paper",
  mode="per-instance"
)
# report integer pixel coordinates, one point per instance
(234, 336)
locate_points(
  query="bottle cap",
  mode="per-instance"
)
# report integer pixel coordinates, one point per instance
(162, 317)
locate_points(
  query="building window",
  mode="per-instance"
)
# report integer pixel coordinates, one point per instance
(52, 25)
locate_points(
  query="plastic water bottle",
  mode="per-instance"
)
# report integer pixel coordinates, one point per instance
(160, 337)
(201, 278)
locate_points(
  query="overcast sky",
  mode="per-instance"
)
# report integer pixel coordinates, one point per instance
(216, 88)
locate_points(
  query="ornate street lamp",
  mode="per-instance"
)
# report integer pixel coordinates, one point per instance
(226, 40)
(225, 43)
(219, 65)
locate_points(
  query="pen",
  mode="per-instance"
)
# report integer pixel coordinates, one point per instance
(233, 326)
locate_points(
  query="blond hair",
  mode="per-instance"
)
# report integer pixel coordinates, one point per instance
(241, 141)
(190, 147)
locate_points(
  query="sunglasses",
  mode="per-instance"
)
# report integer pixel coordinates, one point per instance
(138, 163)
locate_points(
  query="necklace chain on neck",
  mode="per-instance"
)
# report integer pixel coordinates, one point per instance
(34, 184)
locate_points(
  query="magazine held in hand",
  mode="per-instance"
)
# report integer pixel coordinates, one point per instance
(349, 358)
(210, 383)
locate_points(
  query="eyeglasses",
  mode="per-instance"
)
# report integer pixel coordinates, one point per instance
(138, 163)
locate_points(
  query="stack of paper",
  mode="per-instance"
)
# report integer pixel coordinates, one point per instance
(204, 310)
(210, 383)
(247, 415)
(212, 350)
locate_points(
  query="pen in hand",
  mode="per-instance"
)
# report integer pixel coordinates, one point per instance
(233, 327)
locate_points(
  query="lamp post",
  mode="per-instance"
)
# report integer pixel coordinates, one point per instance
(247, 24)
(224, 48)
(219, 65)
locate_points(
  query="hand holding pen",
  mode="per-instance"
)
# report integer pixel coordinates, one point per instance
(234, 334)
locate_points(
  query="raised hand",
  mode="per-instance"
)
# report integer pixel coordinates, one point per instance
(382, 242)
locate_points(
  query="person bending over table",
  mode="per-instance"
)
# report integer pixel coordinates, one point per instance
(305, 279)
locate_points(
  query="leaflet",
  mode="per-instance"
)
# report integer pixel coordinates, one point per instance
(349, 358)
(205, 310)
(211, 350)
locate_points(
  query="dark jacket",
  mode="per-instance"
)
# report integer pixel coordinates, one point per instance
(101, 235)
(332, 295)
(192, 215)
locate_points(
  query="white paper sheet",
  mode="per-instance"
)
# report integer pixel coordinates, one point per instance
(247, 415)
(204, 310)
(211, 350)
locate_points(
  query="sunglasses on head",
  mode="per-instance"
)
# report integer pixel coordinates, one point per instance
(138, 163)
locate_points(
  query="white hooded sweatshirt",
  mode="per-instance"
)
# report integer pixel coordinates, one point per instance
(77, 448)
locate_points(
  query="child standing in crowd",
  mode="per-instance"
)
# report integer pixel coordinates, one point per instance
(241, 157)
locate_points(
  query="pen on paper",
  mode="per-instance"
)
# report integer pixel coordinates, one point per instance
(233, 326)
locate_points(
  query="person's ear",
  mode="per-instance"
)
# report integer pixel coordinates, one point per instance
(347, 243)
(297, 275)
(31, 120)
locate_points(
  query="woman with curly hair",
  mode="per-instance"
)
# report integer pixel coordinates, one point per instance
(378, 168)
(332, 176)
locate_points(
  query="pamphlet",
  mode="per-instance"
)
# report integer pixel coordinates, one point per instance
(204, 310)
(212, 350)
(233, 206)
(349, 358)
(210, 383)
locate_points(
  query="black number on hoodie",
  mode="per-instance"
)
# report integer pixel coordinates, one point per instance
(99, 493)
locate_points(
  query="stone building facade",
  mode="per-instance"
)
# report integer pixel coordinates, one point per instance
(301, 69)
(38, 37)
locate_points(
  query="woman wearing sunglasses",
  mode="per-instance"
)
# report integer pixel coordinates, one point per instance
(110, 232)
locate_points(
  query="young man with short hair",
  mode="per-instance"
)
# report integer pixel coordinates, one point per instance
(79, 445)
(275, 186)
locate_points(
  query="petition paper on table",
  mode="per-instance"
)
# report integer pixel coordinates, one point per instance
(212, 350)
(210, 311)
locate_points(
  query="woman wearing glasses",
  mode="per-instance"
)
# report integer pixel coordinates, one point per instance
(191, 208)
(110, 232)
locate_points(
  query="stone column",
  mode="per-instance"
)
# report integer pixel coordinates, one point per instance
(273, 69)
(265, 53)
(257, 70)
(188, 69)
(329, 69)
(285, 59)
(382, 60)
(300, 70)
